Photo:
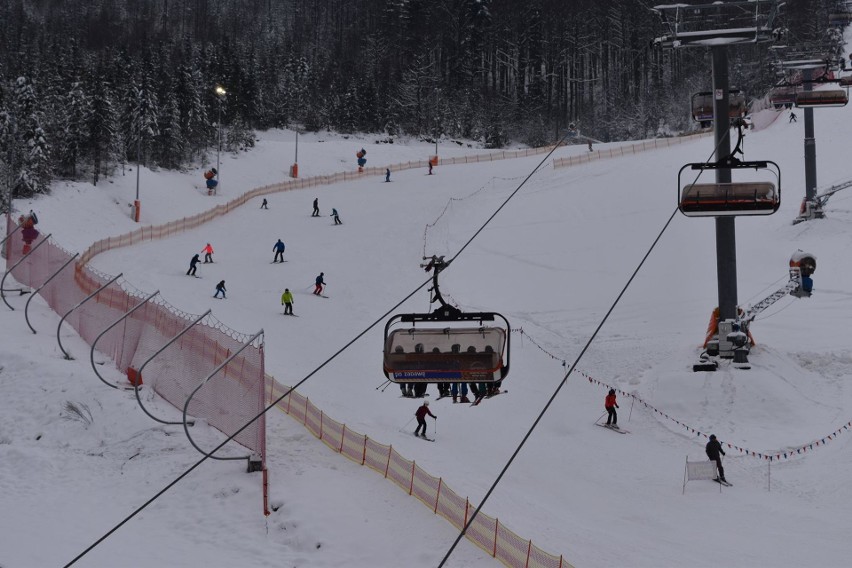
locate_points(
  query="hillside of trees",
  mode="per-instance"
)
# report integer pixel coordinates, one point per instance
(88, 85)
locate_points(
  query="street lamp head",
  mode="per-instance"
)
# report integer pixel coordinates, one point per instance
(220, 90)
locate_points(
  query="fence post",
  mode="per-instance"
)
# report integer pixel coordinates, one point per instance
(364, 453)
(438, 496)
(411, 485)
(305, 420)
(387, 467)
(342, 438)
(496, 525)
(529, 549)
(466, 507)
(321, 415)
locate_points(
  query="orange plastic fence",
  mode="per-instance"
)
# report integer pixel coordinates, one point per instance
(585, 158)
(488, 533)
(188, 223)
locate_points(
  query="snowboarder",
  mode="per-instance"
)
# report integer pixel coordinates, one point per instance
(287, 301)
(713, 449)
(421, 418)
(792, 117)
(208, 253)
(263, 205)
(279, 251)
(195, 260)
(319, 283)
(387, 174)
(334, 214)
(611, 405)
(316, 208)
(220, 287)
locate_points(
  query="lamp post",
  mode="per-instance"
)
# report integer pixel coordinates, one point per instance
(220, 93)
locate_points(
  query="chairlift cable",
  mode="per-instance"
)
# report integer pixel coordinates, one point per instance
(564, 378)
(381, 318)
(305, 379)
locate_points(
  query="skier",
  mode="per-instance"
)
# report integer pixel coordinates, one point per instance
(263, 205)
(279, 251)
(195, 260)
(430, 167)
(421, 418)
(387, 174)
(319, 283)
(454, 389)
(334, 214)
(208, 253)
(713, 449)
(287, 302)
(210, 175)
(611, 405)
(590, 146)
(792, 117)
(220, 287)
(316, 208)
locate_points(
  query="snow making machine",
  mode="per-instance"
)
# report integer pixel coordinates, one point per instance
(725, 337)
(446, 345)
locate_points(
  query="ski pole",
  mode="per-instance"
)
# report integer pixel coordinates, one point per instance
(601, 416)
(404, 426)
(387, 385)
(383, 384)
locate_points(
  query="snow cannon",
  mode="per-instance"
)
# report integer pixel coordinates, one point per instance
(802, 266)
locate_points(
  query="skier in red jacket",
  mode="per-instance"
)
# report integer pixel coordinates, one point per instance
(421, 418)
(611, 405)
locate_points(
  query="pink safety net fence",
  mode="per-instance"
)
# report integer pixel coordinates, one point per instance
(231, 398)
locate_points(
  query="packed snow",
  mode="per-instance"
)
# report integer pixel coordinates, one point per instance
(76, 457)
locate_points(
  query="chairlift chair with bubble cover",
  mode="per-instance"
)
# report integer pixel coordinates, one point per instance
(446, 345)
(822, 98)
(702, 105)
(728, 199)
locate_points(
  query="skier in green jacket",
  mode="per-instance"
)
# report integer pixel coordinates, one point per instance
(287, 302)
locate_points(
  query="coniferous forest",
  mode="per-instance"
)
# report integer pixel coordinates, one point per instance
(89, 85)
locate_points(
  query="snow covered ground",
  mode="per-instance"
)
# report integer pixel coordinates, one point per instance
(552, 261)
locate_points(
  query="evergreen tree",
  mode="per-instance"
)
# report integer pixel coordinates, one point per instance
(103, 144)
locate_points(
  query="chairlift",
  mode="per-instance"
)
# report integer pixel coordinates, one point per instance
(822, 98)
(446, 345)
(729, 199)
(845, 81)
(702, 106)
(840, 18)
(781, 97)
